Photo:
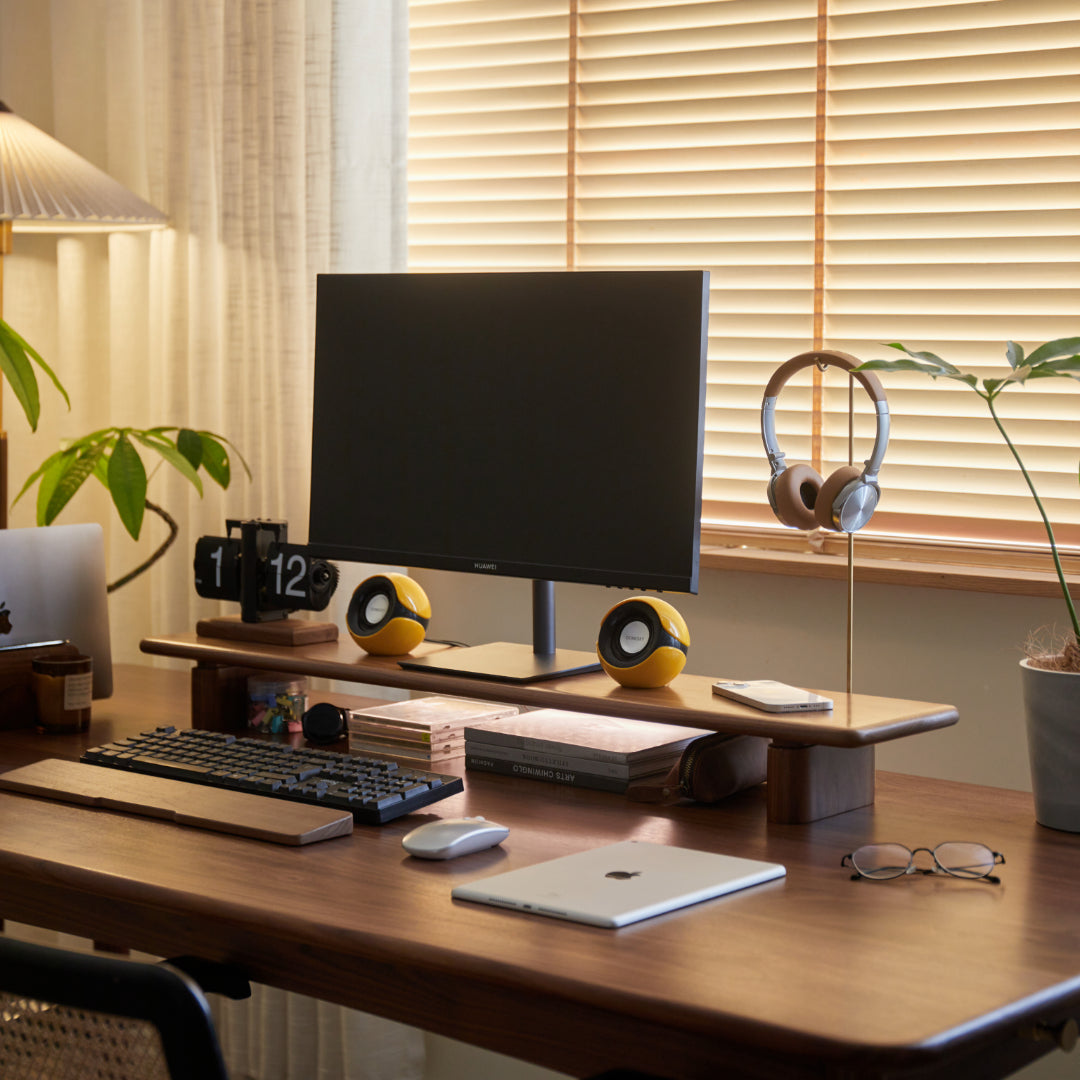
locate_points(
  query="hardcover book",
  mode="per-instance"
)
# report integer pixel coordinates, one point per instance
(441, 763)
(586, 736)
(571, 762)
(403, 734)
(431, 744)
(421, 733)
(442, 749)
(569, 777)
(432, 713)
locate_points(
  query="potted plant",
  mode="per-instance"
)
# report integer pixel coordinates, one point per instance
(110, 454)
(1050, 674)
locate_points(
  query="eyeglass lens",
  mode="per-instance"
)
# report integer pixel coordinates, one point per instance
(960, 859)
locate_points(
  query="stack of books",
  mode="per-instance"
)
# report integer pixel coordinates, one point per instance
(423, 733)
(579, 749)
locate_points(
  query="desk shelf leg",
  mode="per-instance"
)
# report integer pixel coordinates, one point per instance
(219, 696)
(806, 783)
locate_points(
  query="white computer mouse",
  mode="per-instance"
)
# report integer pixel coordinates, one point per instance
(451, 837)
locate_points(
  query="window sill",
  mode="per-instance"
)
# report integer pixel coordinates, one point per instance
(1010, 574)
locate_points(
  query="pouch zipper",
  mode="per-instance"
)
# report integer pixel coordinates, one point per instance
(690, 756)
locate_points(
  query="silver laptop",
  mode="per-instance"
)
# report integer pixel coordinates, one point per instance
(619, 884)
(52, 588)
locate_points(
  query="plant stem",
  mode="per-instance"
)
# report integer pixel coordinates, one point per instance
(1046, 521)
(174, 530)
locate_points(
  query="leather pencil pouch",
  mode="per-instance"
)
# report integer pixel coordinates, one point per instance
(710, 769)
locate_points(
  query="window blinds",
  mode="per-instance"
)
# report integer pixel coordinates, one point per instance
(851, 172)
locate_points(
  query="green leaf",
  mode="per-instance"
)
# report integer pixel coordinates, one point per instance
(17, 369)
(927, 357)
(39, 471)
(190, 444)
(1067, 365)
(68, 481)
(1024, 371)
(215, 459)
(36, 357)
(173, 456)
(926, 362)
(105, 435)
(960, 376)
(13, 344)
(101, 471)
(49, 471)
(1014, 354)
(127, 484)
(933, 370)
(225, 442)
(1052, 349)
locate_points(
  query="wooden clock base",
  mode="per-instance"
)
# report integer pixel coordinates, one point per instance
(289, 632)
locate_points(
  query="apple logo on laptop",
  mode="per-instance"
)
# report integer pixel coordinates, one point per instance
(5, 618)
(623, 875)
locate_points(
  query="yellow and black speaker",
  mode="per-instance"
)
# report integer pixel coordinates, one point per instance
(643, 642)
(388, 614)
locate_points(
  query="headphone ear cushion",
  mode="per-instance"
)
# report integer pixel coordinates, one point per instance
(830, 489)
(796, 491)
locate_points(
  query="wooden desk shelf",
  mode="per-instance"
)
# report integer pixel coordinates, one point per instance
(819, 764)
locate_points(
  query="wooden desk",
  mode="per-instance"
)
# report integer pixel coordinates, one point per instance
(815, 975)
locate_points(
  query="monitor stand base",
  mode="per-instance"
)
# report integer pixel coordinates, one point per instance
(505, 662)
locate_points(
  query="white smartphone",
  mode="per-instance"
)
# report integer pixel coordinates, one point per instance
(772, 696)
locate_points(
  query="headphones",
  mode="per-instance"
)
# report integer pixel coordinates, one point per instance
(844, 502)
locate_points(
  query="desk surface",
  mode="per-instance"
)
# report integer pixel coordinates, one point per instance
(810, 975)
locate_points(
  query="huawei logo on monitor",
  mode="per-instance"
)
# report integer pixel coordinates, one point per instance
(5, 618)
(485, 566)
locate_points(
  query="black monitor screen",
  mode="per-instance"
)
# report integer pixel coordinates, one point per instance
(545, 425)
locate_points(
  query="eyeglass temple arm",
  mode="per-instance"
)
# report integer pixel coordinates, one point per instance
(844, 862)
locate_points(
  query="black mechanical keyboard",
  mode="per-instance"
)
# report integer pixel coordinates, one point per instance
(374, 791)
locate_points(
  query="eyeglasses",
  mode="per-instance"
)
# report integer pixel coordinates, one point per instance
(880, 862)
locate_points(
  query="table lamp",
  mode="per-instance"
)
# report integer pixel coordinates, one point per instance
(45, 187)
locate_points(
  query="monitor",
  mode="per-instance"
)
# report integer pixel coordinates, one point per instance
(545, 425)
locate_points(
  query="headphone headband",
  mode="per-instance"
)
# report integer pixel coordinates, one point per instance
(825, 358)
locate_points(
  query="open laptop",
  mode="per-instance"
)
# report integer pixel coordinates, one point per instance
(620, 883)
(52, 588)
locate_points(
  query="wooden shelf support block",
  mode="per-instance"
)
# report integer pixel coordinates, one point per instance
(219, 696)
(806, 783)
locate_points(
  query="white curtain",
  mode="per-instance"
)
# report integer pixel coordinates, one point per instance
(223, 115)
(271, 133)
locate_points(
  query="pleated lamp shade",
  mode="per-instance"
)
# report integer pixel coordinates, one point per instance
(44, 186)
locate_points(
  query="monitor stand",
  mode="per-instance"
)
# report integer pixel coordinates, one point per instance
(506, 661)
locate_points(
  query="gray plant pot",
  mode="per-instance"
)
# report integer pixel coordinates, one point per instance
(1052, 707)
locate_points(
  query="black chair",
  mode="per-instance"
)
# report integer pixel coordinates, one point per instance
(78, 1016)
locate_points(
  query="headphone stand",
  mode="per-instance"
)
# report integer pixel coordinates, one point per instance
(850, 541)
(850, 606)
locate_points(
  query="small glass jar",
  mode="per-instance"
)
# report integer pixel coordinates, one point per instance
(276, 703)
(63, 687)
